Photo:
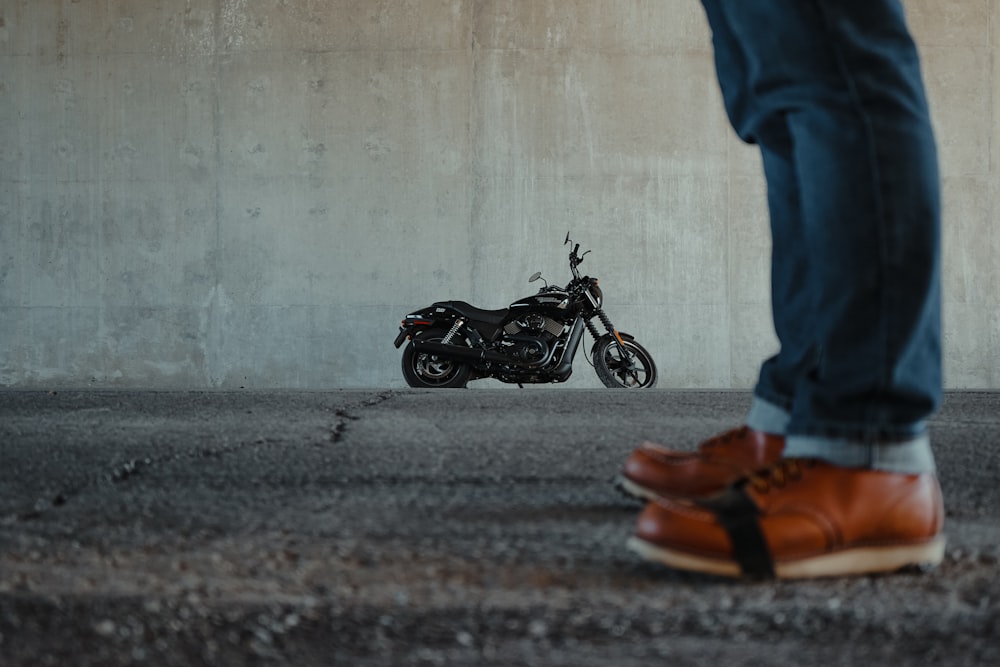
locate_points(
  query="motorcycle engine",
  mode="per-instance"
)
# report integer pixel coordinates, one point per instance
(530, 337)
(534, 323)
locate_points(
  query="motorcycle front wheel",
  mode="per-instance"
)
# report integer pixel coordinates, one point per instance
(635, 370)
(428, 371)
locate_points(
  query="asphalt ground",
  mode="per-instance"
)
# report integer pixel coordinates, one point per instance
(453, 527)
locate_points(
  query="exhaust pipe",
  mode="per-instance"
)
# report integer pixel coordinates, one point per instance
(460, 353)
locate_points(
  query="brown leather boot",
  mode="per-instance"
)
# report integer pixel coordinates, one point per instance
(652, 471)
(800, 518)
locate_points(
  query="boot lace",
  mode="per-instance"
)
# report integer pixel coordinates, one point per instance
(728, 436)
(778, 474)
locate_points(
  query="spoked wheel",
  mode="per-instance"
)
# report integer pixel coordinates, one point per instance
(633, 370)
(429, 371)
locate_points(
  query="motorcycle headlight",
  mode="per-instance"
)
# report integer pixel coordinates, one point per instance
(598, 294)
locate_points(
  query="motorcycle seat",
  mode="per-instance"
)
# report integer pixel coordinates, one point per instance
(493, 317)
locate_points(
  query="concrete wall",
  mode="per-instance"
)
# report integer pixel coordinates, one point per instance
(251, 193)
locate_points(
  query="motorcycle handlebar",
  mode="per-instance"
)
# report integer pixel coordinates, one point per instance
(575, 258)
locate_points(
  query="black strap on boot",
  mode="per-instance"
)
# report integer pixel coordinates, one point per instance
(738, 515)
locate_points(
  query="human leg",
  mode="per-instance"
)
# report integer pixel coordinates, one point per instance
(653, 470)
(832, 93)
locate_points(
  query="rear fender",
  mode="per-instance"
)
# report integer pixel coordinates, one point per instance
(434, 317)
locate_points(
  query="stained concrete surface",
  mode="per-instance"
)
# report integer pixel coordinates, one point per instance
(404, 527)
(236, 193)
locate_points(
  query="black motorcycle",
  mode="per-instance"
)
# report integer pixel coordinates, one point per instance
(533, 341)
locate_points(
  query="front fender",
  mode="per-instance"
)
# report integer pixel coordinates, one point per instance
(609, 337)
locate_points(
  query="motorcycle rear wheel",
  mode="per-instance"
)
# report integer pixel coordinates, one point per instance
(637, 371)
(428, 371)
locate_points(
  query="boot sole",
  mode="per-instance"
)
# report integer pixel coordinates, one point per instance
(856, 561)
(633, 490)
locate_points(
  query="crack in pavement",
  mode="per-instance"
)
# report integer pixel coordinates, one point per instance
(125, 471)
(135, 467)
(345, 416)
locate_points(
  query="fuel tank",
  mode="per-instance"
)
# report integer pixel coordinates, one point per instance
(552, 300)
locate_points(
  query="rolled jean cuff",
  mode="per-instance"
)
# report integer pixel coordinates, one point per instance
(913, 456)
(767, 417)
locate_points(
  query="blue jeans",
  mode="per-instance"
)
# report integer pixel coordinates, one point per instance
(831, 91)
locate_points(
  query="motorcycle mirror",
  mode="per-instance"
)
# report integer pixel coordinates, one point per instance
(535, 276)
(566, 242)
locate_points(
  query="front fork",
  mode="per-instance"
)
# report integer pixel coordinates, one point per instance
(606, 321)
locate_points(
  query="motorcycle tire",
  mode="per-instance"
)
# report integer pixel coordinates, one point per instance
(428, 371)
(618, 373)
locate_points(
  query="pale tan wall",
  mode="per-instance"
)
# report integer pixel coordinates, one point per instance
(226, 193)
(960, 41)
